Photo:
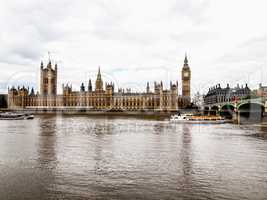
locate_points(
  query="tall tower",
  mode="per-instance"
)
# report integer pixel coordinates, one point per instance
(48, 81)
(99, 82)
(90, 86)
(186, 78)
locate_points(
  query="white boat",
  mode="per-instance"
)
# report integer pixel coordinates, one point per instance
(15, 116)
(191, 119)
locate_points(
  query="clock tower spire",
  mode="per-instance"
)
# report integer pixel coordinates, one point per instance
(186, 79)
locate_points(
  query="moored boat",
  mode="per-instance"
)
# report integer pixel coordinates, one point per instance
(191, 119)
(16, 116)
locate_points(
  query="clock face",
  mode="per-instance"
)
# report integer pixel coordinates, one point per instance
(186, 74)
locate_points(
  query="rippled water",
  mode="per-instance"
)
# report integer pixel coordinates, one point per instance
(67, 157)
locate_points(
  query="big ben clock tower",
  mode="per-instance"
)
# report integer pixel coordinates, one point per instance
(186, 77)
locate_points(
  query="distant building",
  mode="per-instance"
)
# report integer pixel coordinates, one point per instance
(103, 97)
(262, 91)
(218, 94)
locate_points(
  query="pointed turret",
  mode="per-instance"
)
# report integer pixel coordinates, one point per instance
(99, 74)
(49, 65)
(42, 65)
(147, 88)
(90, 86)
(99, 82)
(32, 92)
(185, 61)
(82, 88)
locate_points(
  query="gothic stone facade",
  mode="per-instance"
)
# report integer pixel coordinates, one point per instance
(102, 98)
(217, 94)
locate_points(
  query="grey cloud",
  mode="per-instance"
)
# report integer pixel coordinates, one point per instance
(113, 33)
(28, 30)
(110, 26)
(113, 10)
(255, 41)
(252, 50)
(126, 35)
(196, 37)
(192, 9)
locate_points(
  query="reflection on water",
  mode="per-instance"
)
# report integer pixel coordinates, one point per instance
(64, 157)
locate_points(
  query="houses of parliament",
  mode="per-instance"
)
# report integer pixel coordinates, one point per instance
(101, 98)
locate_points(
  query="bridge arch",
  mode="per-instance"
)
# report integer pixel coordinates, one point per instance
(228, 105)
(251, 104)
(214, 110)
(227, 110)
(252, 111)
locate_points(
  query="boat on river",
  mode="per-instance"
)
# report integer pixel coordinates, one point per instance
(193, 119)
(16, 116)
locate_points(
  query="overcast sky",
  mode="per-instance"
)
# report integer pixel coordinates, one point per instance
(134, 41)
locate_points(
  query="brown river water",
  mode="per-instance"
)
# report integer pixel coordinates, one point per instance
(81, 157)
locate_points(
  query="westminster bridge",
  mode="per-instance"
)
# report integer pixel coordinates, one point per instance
(251, 109)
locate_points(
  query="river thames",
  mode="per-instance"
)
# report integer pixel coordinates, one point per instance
(81, 157)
